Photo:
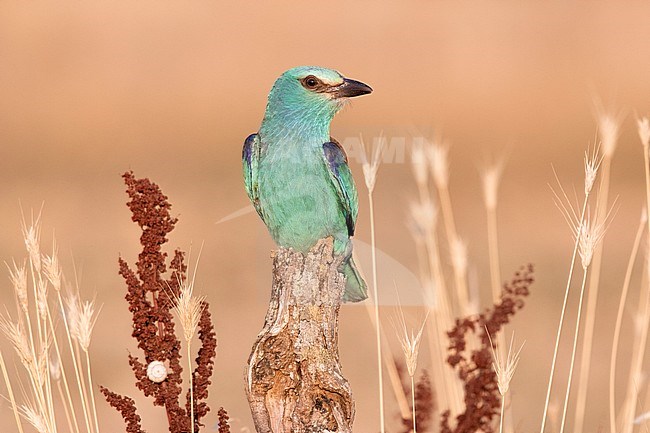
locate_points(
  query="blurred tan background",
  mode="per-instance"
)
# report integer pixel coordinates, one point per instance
(89, 90)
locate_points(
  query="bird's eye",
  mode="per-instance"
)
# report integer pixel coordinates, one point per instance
(310, 82)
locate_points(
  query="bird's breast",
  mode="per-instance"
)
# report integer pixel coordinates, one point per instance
(298, 198)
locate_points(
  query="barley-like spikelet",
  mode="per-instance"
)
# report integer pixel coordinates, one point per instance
(72, 307)
(592, 164)
(505, 368)
(86, 323)
(410, 342)
(32, 415)
(18, 277)
(32, 237)
(491, 178)
(609, 130)
(41, 298)
(52, 268)
(589, 234)
(15, 333)
(370, 167)
(188, 309)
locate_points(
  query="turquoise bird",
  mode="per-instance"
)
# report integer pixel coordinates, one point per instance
(297, 176)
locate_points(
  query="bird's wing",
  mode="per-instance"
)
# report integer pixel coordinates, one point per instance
(250, 160)
(337, 166)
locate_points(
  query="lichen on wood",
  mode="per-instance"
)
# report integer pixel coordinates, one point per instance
(293, 379)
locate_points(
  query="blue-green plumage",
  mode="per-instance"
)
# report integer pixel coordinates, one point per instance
(296, 176)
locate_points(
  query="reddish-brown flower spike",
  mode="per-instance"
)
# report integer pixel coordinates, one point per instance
(482, 399)
(150, 298)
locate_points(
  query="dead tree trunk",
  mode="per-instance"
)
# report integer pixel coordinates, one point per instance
(294, 382)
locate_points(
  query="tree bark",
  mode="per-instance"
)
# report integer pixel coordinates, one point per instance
(294, 382)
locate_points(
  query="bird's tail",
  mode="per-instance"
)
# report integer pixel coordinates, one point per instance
(356, 289)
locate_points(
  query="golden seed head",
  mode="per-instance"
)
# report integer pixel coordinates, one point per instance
(505, 368)
(491, 178)
(18, 277)
(52, 270)
(371, 167)
(608, 129)
(15, 333)
(87, 319)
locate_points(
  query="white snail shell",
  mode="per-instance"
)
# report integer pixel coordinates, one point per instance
(156, 371)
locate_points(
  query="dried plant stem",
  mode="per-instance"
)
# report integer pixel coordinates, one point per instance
(646, 161)
(453, 240)
(10, 391)
(495, 278)
(376, 299)
(573, 351)
(444, 320)
(67, 400)
(65, 409)
(84, 391)
(92, 392)
(391, 368)
(493, 248)
(561, 323)
(75, 363)
(189, 369)
(592, 301)
(396, 385)
(413, 402)
(617, 326)
(503, 404)
(636, 368)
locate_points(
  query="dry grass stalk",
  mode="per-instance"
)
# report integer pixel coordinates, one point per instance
(188, 309)
(564, 204)
(619, 319)
(491, 178)
(33, 348)
(87, 319)
(635, 375)
(73, 331)
(423, 225)
(410, 343)
(608, 130)
(589, 234)
(10, 391)
(439, 165)
(505, 369)
(370, 168)
(391, 367)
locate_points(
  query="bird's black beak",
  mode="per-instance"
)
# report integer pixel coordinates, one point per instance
(351, 88)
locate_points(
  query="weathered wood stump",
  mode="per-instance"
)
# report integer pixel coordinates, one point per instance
(293, 379)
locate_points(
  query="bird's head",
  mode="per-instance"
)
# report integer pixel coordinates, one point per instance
(310, 95)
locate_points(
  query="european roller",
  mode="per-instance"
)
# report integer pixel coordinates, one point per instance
(297, 176)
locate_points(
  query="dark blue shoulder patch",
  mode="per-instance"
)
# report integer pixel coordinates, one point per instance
(247, 151)
(334, 153)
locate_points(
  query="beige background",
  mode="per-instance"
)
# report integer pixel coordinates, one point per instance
(171, 89)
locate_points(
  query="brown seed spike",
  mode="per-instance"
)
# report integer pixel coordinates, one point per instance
(150, 297)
